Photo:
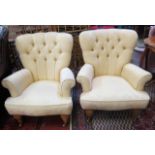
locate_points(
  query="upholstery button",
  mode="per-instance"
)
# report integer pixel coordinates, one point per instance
(119, 39)
(34, 60)
(44, 43)
(124, 47)
(60, 51)
(102, 48)
(107, 55)
(38, 51)
(45, 59)
(49, 51)
(27, 52)
(32, 43)
(96, 39)
(117, 56)
(112, 47)
(55, 59)
(55, 43)
(107, 39)
(97, 56)
(92, 49)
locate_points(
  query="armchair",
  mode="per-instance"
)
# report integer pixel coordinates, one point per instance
(108, 80)
(43, 87)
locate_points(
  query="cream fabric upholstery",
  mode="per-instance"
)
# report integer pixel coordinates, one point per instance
(136, 76)
(39, 99)
(85, 77)
(107, 50)
(17, 82)
(111, 83)
(113, 93)
(42, 53)
(66, 82)
(44, 86)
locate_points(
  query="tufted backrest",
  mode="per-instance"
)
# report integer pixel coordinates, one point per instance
(107, 50)
(45, 54)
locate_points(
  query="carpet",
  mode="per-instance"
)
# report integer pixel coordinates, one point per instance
(112, 120)
(146, 120)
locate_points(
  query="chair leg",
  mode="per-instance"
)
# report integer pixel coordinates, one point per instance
(65, 119)
(89, 114)
(18, 119)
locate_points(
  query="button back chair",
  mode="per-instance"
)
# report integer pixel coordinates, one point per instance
(109, 81)
(43, 87)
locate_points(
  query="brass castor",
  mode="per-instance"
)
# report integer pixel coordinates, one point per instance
(18, 119)
(65, 119)
(89, 115)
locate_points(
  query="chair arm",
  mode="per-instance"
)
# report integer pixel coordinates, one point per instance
(136, 76)
(85, 76)
(67, 82)
(17, 82)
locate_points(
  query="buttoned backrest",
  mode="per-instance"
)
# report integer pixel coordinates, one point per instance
(107, 50)
(45, 54)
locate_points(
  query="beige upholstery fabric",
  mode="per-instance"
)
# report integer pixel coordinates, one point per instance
(66, 82)
(136, 76)
(111, 83)
(39, 99)
(43, 87)
(17, 82)
(45, 54)
(107, 50)
(85, 77)
(113, 93)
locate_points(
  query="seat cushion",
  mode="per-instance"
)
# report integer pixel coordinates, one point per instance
(113, 93)
(39, 99)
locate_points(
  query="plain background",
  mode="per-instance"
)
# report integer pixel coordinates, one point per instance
(77, 12)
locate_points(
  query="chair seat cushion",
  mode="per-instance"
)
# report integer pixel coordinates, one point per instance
(113, 93)
(39, 99)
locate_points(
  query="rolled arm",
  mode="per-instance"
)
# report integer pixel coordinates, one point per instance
(67, 82)
(17, 82)
(85, 76)
(136, 76)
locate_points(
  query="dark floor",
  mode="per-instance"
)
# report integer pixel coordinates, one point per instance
(35, 123)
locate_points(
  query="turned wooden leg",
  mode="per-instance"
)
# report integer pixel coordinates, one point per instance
(89, 114)
(135, 113)
(65, 119)
(18, 119)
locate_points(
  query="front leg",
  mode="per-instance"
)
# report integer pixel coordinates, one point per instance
(18, 118)
(89, 114)
(65, 119)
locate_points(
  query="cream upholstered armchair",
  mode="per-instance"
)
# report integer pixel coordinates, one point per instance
(43, 87)
(109, 81)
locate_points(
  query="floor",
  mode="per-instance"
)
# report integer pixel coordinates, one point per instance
(36, 123)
